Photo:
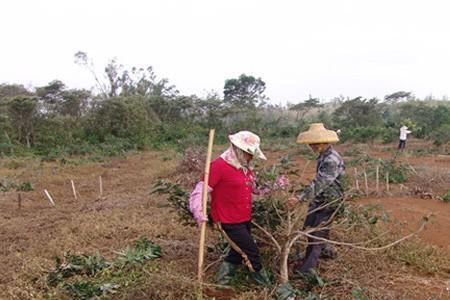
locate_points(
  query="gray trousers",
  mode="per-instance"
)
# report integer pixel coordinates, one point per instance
(315, 247)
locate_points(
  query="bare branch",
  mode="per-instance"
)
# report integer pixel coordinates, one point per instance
(277, 245)
(353, 245)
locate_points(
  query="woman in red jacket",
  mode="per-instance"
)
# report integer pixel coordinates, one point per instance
(231, 184)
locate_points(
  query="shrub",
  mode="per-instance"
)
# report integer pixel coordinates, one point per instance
(25, 187)
(361, 134)
(388, 135)
(441, 136)
(122, 117)
(56, 133)
(398, 171)
(446, 197)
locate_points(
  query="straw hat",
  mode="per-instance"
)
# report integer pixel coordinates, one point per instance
(317, 134)
(248, 142)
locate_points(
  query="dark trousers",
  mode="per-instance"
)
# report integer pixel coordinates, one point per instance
(240, 233)
(402, 144)
(315, 247)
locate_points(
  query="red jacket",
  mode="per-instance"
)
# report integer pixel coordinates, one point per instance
(231, 198)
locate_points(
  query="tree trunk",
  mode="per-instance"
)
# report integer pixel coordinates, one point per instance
(284, 270)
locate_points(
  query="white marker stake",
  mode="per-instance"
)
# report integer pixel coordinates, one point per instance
(378, 179)
(49, 197)
(100, 183)
(356, 180)
(73, 189)
(365, 183)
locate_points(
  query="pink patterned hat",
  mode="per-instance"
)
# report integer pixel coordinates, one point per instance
(248, 142)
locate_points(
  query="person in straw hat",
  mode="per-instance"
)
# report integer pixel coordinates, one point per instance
(323, 193)
(231, 183)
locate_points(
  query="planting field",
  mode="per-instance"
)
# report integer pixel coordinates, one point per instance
(33, 232)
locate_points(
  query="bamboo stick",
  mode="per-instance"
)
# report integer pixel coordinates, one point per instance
(19, 200)
(201, 252)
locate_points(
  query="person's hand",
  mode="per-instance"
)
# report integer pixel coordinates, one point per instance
(200, 219)
(291, 202)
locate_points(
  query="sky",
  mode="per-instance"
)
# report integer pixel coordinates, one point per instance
(323, 48)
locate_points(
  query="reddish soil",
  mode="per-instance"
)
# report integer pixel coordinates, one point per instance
(408, 212)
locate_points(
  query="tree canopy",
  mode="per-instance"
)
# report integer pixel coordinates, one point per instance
(245, 91)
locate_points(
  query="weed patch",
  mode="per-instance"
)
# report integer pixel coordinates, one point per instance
(446, 197)
(88, 276)
(7, 185)
(427, 259)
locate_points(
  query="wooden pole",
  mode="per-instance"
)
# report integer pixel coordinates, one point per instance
(365, 183)
(19, 200)
(387, 182)
(201, 251)
(356, 180)
(73, 189)
(49, 197)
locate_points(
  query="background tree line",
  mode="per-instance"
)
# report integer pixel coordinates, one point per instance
(134, 109)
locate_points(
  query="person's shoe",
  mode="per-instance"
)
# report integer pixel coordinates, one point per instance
(302, 274)
(225, 273)
(261, 277)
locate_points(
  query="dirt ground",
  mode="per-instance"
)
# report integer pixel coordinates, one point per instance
(408, 210)
(30, 236)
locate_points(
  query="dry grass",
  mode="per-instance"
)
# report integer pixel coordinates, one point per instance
(434, 180)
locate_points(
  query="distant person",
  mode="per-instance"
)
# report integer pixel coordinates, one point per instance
(325, 188)
(231, 183)
(403, 135)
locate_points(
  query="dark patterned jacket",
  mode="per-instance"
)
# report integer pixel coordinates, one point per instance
(327, 186)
